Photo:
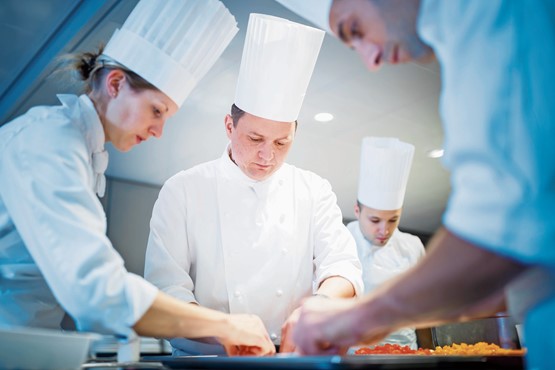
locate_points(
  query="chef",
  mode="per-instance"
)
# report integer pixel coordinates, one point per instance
(247, 232)
(384, 251)
(497, 238)
(54, 253)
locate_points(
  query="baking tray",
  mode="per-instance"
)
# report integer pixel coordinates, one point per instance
(341, 362)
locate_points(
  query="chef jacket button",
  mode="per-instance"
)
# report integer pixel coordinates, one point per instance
(281, 182)
(273, 336)
(279, 292)
(237, 293)
(281, 219)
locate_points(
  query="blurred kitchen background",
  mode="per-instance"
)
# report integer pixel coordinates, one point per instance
(400, 101)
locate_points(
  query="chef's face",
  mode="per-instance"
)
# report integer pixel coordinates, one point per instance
(381, 31)
(259, 146)
(377, 226)
(132, 116)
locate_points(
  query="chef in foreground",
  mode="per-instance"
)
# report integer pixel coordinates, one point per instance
(248, 233)
(383, 249)
(54, 253)
(497, 111)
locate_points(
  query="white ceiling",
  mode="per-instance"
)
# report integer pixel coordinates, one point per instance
(400, 101)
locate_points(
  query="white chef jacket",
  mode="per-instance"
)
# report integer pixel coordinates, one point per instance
(238, 245)
(53, 245)
(497, 106)
(381, 263)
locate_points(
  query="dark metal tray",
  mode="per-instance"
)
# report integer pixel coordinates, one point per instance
(341, 362)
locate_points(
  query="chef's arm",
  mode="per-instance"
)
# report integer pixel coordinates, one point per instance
(456, 278)
(336, 287)
(168, 317)
(438, 289)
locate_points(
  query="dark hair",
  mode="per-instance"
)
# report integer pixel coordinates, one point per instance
(237, 113)
(91, 67)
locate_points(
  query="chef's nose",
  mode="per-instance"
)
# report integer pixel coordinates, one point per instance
(266, 152)
(369, 52)
(383, 228)
(156, 130)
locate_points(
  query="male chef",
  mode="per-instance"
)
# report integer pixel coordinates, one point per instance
(247, 232)
(498, 224)
(384, 251)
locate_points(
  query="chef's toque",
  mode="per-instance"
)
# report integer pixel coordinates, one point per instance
(315, 11)
(276, 66)
(384, 171)
(173, 43)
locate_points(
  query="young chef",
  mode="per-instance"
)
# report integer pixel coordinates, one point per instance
(498, 113)
(384, 251)
(54, 253)
(247, 232)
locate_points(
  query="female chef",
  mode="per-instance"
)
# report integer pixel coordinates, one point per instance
(54, 253)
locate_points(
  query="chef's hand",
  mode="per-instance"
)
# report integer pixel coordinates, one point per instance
(287, 344)
(329, 328)
(245, 335)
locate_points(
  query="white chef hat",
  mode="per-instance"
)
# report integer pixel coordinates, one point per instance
(315, 11)
(278, 60)
(384, 171)
(173, 43)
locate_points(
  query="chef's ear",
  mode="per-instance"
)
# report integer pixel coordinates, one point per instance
(228, 122)
(357, 210)
(114, 82)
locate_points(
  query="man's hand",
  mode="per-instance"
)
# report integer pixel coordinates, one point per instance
(245, 335)
(287, 344)
(326, 326)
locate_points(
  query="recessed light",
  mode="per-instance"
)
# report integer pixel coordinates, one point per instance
(435, 153)
(323, 117)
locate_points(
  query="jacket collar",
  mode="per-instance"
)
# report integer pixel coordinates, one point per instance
(234, 173)
(82, 111)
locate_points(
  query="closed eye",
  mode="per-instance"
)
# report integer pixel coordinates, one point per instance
(348, 31)
(341, 33)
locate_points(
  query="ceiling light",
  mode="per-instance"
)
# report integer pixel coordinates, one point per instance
(435, 153)
(323, 117)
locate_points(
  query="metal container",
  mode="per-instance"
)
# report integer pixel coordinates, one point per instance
(500, 330)
(30, 348)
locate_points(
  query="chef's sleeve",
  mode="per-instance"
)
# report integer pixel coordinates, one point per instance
(335, 252)
(167, 261)
(47, 189)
